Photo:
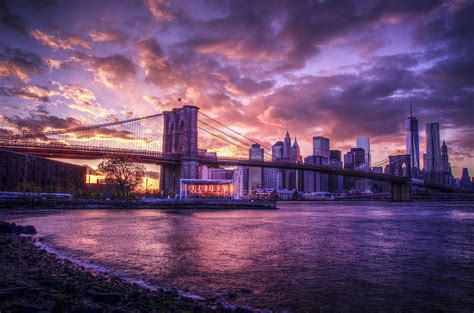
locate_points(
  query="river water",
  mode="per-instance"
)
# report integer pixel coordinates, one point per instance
(302, 258)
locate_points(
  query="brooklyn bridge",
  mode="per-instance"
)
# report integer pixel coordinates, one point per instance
(179, 141)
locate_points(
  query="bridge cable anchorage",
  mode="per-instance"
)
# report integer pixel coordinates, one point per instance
(79, 129)
(234, 131)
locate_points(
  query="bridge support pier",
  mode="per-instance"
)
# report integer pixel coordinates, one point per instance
(171, 175)
(169, 179)
(401, 192)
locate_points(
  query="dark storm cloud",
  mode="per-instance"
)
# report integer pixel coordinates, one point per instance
(11, 20)
(38, 122)
(347, 104)
(450, 37)
(19, 64)
(27, 92)
(290, 32)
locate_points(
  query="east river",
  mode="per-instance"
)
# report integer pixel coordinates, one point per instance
(302, 258)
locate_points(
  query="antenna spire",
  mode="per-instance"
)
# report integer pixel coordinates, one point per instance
(411, 109)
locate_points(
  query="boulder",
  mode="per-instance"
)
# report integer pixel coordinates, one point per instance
(108, 298)
(6, 228)
(28, 230)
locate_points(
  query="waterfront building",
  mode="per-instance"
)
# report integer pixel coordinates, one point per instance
(314, 181)
(358, 158)
(348, 161)
(364, 143)
(335, 182)
(433, 152)
(241, 181)
(19, 171)
(465, 181)
(321, 147)
(288, 175)
(446, 171)
(206, 188)
(276, 175)
(256, 153)
(277, 151)
(206, 172)
(354, 159)
(412, 141)
(335, 155)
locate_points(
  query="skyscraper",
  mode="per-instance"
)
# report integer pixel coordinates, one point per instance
(295, 152)
(445, 165)
(276, 175)
(465, 181)
(358, 158)
(314, 181)
(255, 173)
(364, 143)
(348, 161)
(241, 181)
(412, 141)
(433, 151)
(335, 155)
(287, 146)
(321, 147)
(335, 182)
(277, 150)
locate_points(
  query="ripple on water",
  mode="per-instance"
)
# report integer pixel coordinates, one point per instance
(308, 257)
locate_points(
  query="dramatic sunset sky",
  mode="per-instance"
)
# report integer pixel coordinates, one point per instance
(332, 68)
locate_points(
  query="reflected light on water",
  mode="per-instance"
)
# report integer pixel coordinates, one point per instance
(302, 257)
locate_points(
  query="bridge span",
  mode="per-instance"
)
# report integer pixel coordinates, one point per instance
(179, 156)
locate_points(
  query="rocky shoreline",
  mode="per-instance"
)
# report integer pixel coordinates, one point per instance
(33, 280)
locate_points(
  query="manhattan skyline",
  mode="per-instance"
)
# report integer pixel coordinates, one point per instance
(317, 69)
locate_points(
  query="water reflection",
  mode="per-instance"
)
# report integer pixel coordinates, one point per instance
(305, 258)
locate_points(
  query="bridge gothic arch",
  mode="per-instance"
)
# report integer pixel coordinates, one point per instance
(399, 165)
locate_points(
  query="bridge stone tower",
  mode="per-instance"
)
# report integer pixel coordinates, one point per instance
(180, 137)
(400, 165)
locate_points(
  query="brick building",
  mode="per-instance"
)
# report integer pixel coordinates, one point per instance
(19, 169)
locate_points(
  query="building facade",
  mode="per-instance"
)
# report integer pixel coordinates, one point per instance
(20, 170)
(412, 141)
(364, 143)
(314, 181)
(321, 147)
(256, 153)
(433, 152)
(465, 181)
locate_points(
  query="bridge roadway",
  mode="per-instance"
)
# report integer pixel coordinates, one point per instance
(154, 157)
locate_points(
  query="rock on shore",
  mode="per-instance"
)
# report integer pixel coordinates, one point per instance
(33, 280)
(12, 228)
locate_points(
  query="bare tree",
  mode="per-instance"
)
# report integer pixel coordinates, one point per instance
(122, 172)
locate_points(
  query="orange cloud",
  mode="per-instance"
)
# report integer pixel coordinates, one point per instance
(159, 9)
(69, 43)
